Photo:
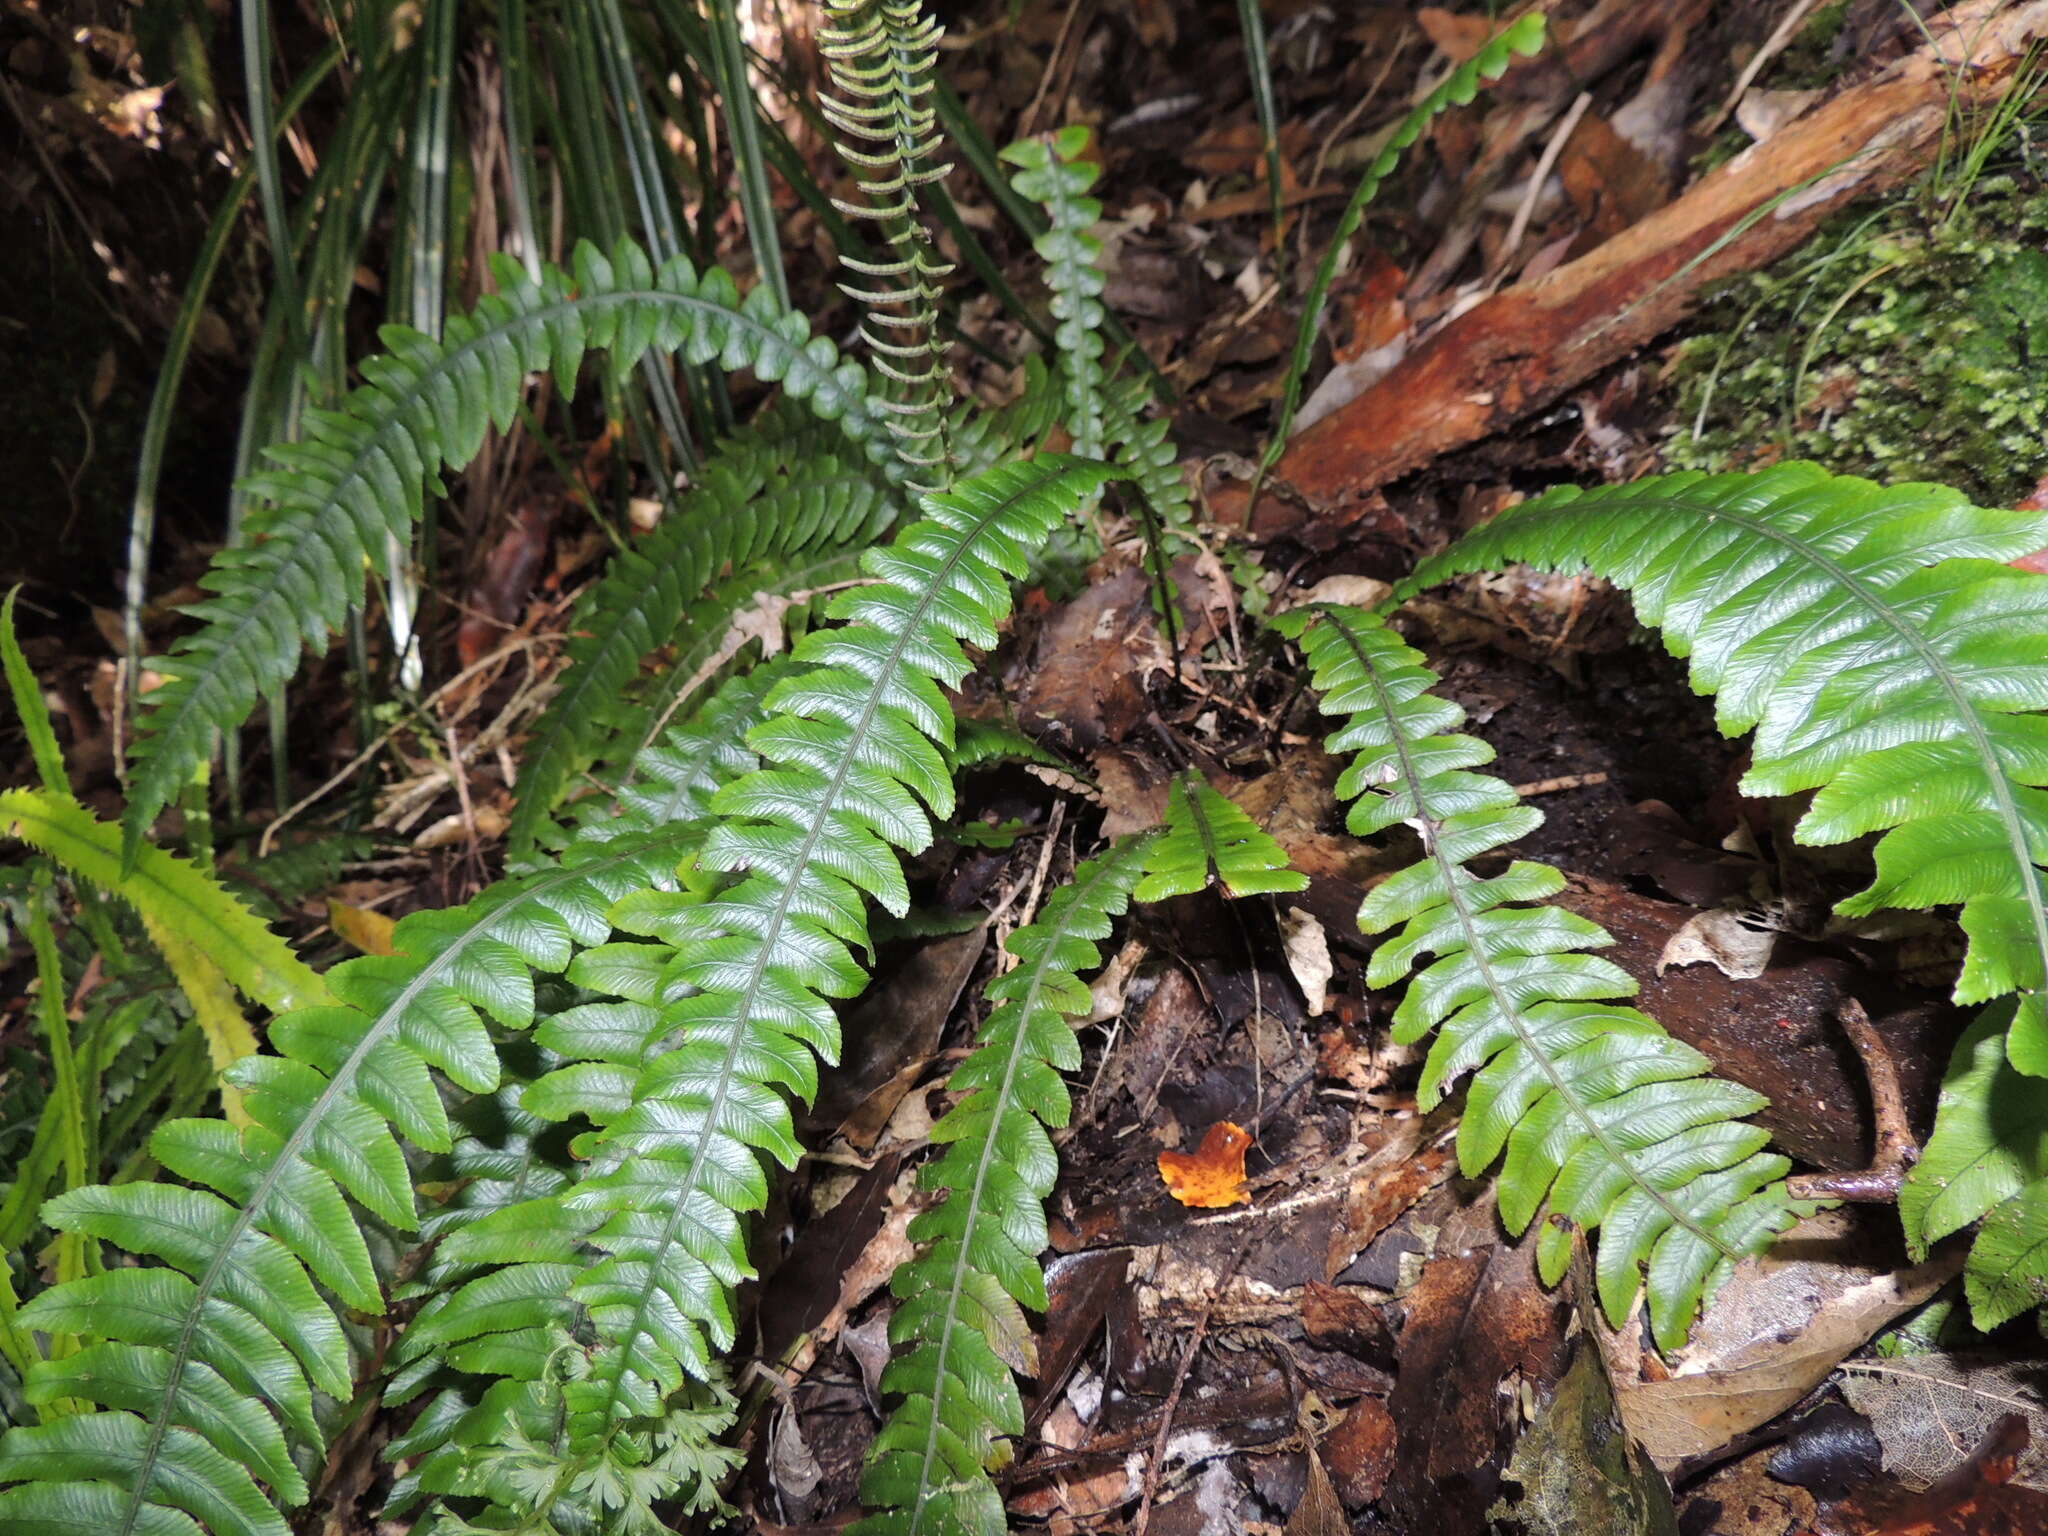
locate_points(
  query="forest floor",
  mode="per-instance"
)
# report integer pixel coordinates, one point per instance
(1355, 1345)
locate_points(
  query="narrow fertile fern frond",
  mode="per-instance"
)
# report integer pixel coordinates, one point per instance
(764, 500)
(1524, 35)
(1603, 1118)
(335, 505)
(1054, 173)
(1883, 653)
(206, 1365)
(737, 993)
(961, 1300)
(1207, 835)
(881, 53)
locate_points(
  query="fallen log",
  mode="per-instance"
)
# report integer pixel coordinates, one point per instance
(1519, 350)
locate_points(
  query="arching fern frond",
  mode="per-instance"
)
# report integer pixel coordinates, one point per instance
(763, 500)
(738, 989)
(960, 1301)
(336, 503)
(880, 54)
(1206, 836)
(231, 1315)
(1602, 1117)
(1885, 657)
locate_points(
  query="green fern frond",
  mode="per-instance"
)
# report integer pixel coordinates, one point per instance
(960, 1301)
(171, 895)
(880, 54)
(1523, 35)
(1054, 173)
(737, 990)
(764, 500)
(1601, 1116)
(1986, 1161)
(336, 503)
(1207, 835)
(232, 1311)
(1885, 657)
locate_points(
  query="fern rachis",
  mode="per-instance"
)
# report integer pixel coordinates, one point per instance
(1600, 1113)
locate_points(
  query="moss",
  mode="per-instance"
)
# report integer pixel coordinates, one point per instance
(1896, 345)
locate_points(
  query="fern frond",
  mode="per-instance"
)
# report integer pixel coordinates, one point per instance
(1054, 173)
(175, 899)
(960, 1301)
(232, 1311)
(1207, 835)
(764, 500)
(1885, 657)
(1601, 1116)
(335, 504)
(880, 54)
(1523, 35)
(737, 990)
(1986, 1161)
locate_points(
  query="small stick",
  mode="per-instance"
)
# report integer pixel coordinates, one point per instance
(1180, 1379)
(1896, 1150)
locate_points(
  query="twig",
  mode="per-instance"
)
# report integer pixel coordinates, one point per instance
(1774, 45)
(1547, 163)
(1180, 1379)
(1895, 1150)
(1562, 782)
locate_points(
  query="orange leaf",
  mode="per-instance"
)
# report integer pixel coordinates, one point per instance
(1212, 1175)
(368, 931)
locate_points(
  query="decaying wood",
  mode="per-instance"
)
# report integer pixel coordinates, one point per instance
(1521, 349)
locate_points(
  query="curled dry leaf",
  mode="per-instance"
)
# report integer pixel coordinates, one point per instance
(1212, 1176)
(1307, 949)
(1776, 1330)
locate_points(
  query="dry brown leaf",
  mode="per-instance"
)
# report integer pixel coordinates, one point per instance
(1776, 1330)
(1212, 1176)
(1931, 1411)
(1307, 949)
(1319, 1513)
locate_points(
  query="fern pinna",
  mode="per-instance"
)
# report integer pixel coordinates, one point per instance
(685, 1082)
(959, 1302)
(1890, 662)
(1603, 1118)
(335, 505)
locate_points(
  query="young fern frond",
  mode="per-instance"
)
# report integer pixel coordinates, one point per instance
(1524, 35)
(739, 987)
(1884, 655)
(961, 1300)
(338, 502)
(206, 1365)
(1207, 836)
(1053, 173)
(1603, 1118)
(763, 501)
(881, 53)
